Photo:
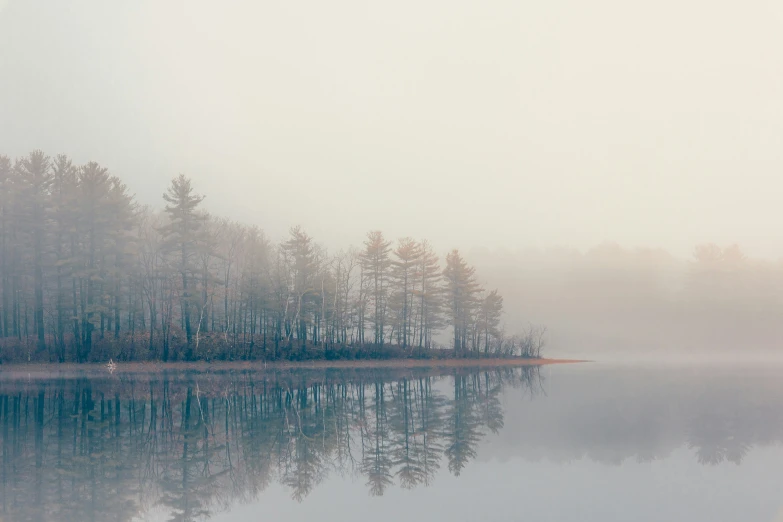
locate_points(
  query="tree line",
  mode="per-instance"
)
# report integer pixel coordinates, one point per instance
(613, 299)
(88, 274)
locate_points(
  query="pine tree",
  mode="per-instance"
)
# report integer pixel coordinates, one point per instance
(180, 238)
(35, 178)
(403, 280)
(103, 225)
(64, 210)
(429, 295)
(461, 296)
(79, 263)
(6, 249)
(375, 264)
(301, 255)
(490, 311)
(256, 284)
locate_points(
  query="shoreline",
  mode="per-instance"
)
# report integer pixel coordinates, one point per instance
(154, 366)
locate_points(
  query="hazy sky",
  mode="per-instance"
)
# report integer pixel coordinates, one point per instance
(471, 123)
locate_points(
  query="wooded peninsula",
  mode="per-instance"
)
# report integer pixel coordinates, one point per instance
(87, 274)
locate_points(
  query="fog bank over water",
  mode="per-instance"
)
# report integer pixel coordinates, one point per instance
(500, 125)
(617, 302)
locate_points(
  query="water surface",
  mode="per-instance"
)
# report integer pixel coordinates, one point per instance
(567, 442)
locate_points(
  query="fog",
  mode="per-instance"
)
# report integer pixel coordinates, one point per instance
(614, 302)
(500, 124)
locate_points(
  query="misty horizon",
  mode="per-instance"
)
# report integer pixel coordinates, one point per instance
(347, 260)
(607, 299)
(505, 125)
(472, 250)
(478, 249)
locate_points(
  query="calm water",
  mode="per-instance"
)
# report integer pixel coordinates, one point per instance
(576, 442)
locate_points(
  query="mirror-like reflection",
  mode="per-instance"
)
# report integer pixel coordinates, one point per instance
(192, 445)
(109, 448)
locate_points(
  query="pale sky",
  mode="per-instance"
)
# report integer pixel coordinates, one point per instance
(497, 123)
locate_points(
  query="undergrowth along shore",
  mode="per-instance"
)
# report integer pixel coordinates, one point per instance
(428, 366)
(13, 351)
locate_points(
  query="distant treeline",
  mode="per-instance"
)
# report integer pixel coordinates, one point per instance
(88, 274)
(631, 300)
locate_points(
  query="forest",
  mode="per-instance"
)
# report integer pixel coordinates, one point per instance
(89, 274)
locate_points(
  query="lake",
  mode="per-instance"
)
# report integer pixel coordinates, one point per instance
(575, 442)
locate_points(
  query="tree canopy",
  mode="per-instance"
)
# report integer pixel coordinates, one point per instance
(89, 274)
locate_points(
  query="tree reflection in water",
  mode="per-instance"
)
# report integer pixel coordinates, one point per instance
(109, 448)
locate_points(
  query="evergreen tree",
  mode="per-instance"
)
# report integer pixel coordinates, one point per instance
(301, 255)
(461, 291)
(403, 280)
(88, 275)
(375, 264)
(180, 237)
(429, 295)
(490, 311)
(34, 178)
(7, 250)
(64, 211)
